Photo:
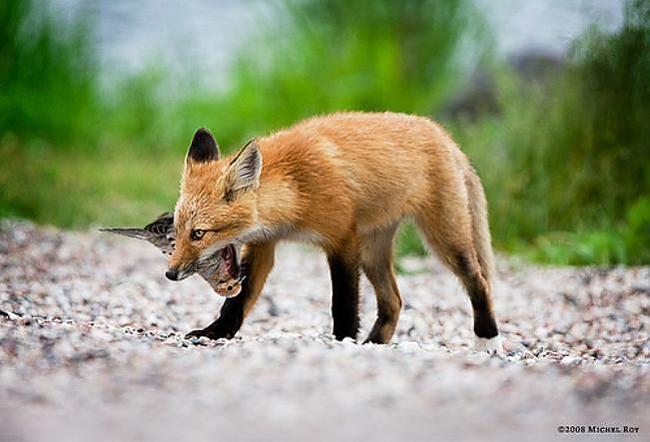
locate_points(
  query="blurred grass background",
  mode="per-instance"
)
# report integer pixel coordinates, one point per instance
(564, 156)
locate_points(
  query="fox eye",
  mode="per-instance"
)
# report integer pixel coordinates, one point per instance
(197, 234)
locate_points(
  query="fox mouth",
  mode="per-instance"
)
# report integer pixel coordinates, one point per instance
(231, 261)
(223, 270)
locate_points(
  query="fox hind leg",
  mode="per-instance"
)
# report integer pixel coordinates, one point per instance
(465, 265)
(449, 233)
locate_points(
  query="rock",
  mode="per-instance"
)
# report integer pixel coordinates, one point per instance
(570, 360)
(409, 347)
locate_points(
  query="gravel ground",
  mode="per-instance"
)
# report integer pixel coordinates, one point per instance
(91, 347)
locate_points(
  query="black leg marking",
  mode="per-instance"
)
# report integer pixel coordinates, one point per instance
(345, 297)
(485, 325)
(375, 336)
(231, 316)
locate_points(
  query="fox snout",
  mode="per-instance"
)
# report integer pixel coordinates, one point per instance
(172, 274)
(180, 266)
(176, 274)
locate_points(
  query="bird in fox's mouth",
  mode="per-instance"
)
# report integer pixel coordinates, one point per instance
(221, 269)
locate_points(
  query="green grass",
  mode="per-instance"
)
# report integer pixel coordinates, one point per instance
(564, 162)
(48, 75)
(59, 118)
(77, 189)
(328, 55)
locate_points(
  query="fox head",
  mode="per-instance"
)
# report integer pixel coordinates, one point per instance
(217, 207)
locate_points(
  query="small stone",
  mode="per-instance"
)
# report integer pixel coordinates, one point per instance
(570, 360)
(408, 346)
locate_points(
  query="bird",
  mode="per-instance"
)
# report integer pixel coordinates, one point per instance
(160, 232)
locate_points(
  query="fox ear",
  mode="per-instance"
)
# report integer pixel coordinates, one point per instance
(244, 171)
(204, 147)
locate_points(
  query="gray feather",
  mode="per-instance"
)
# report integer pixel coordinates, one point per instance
(160, 232)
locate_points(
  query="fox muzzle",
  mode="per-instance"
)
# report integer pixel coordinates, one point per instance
(172, 274)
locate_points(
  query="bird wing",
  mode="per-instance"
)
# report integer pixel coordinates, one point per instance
(160, 233)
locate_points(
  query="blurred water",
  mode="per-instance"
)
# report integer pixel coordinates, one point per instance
(207, 34)
(547, 25)
(202, 34)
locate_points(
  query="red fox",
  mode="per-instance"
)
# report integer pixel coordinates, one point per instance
(343, 182)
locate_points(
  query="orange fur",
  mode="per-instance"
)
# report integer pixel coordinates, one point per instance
(345, 181)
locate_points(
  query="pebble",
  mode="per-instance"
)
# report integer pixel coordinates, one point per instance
(570, 360)
(408, 346)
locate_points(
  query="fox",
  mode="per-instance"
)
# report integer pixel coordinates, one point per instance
(343, 182)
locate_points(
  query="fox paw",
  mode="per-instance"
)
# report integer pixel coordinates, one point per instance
(210, 333)
(493, 345)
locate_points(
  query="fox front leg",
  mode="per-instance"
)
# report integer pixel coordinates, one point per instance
(344, 273)
(257, 263)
